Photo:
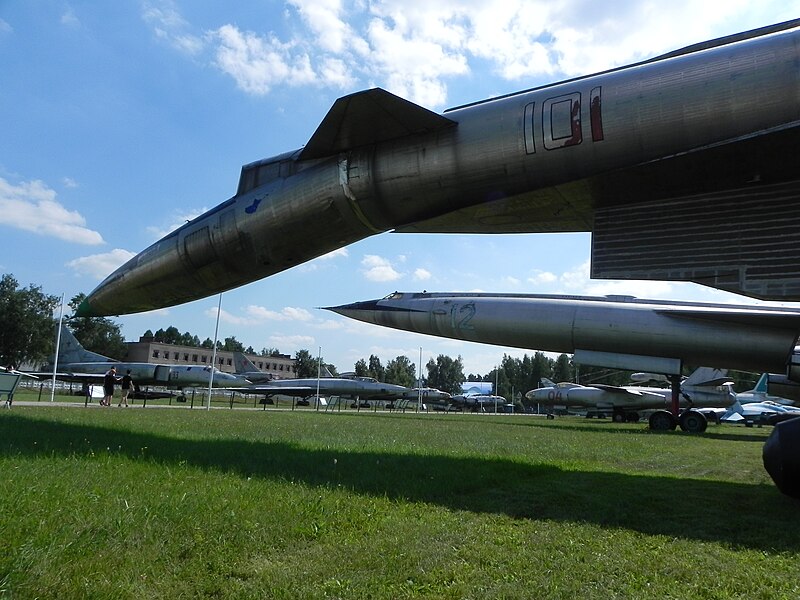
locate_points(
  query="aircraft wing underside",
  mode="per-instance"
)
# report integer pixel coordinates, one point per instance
(741, 233)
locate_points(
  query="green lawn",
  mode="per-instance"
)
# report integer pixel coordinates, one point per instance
(279, 504)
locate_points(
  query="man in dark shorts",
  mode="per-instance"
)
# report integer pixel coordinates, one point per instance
(127, 386)
(109, 380)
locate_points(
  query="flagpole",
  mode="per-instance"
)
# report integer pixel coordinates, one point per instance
(214, 354)
(58, 346)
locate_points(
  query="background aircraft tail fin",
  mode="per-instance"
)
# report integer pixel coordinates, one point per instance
(761, 386)
(706, 376)
(735, 412)
(71, 351)
(545, 382)
(242, 364)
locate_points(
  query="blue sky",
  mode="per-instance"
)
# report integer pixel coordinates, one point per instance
(120, 120)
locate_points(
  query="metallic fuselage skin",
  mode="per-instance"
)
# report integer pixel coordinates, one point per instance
(363, 388)
(716, 335)
(634, 398)
(536, 161)
(177, 376)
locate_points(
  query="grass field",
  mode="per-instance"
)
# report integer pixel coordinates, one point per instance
(166, 503)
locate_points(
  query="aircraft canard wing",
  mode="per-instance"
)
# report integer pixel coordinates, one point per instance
(369, 117)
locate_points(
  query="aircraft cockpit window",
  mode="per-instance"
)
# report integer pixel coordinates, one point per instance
(394, 296)
(257, 174)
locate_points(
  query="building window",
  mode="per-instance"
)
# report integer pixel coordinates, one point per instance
(186, 357)
(194, 357)
(203, 358)
(155, 353)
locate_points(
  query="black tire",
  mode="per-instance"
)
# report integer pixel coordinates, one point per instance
(632, 417)
(693, 421)
(618, 416)
(663, 420)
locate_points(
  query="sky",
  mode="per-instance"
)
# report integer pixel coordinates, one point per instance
(121, 120)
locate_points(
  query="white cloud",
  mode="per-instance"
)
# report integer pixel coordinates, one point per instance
(169, 25)
(100, 266)
(256, 315)
(31, 206)
(414, 47)
(339, 253)
(69, 18)
(5, 27)
(178, 219)
(295, 342)
(377, 268)
(258, 63)
(541, 277)
(68, 182)
(422, 274)
(577, 278)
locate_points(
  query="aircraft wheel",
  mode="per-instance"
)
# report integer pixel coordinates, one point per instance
(551, 416)
(693, 421)
(618, 416)
(663, 420)
(632, 417)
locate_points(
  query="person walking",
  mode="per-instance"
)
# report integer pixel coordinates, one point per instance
(127, 386)
(109, 380)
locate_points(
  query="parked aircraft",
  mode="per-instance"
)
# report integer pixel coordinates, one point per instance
(75, 363)
(703, 388)
(632, 154)
(244, 367)
(362, 388)
(764, 412)
(760, 393)
(613, 331)
(480, 402)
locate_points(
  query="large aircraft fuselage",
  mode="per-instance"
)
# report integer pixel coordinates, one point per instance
(548, 159)
(606, 331)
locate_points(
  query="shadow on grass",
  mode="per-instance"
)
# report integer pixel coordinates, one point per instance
(751, 516)
(602, 426)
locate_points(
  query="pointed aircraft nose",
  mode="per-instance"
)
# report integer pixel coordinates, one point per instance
(367, 311)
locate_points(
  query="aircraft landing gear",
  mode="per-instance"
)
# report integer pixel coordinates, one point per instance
(632, 417)
(693, 421)
(663, 420)
(618, 416)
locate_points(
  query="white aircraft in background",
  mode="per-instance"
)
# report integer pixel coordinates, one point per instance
(704, 388)
(75, 363)
(760, 393)
(765, 412)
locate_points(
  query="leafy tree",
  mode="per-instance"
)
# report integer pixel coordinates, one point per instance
(270, 352)
(376, 369)
(233, 345)
(172, 335)
(446, 374)
(26, 323)
(208, 343)
(305, 364)
(563, 369)
(148, 334)
(361, 368)
(401, 371)
(97, 334)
